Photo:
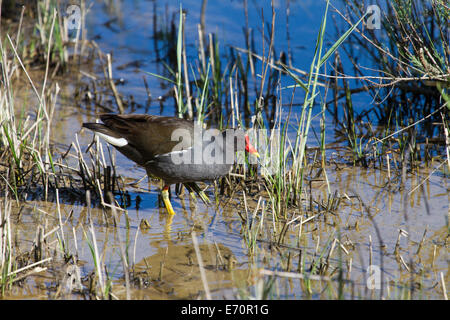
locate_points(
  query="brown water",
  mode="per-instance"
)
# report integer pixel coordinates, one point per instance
(166, 265)
(162, 257)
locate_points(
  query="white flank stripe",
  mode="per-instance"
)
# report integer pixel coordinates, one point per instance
(173, 152)
(117, 142)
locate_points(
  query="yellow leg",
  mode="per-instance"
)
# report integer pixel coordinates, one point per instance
(194, 188)
(204, 197)
(165, 196)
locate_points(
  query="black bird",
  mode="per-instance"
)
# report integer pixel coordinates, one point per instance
(173, 149)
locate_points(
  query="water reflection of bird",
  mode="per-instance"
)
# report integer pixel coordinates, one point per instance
(172, 148)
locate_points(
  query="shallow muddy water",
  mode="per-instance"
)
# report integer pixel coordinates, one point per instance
(379, 221)
(165, 264)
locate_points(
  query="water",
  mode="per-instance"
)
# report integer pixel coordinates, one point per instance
(164, 253)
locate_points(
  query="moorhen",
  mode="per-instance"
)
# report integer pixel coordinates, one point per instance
(173, 149)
